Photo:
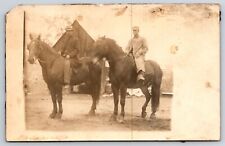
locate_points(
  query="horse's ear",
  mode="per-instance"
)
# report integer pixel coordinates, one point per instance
(39, 37)
(31, 36)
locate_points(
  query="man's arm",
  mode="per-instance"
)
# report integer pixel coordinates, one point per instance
(144, 48)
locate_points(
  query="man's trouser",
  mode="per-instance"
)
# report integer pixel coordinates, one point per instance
(140, 63)
(67, 72)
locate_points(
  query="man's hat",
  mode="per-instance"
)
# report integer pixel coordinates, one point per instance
(69, 28)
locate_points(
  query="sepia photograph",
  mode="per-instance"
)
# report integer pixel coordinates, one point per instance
(91, 72)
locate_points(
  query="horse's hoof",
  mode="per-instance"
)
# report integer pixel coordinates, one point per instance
(52, 115)
(58, 116)
(152, 117)
(113, 118)
(91, 113)
(120, 119)
(143, 114)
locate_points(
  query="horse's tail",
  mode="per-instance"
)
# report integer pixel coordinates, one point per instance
(97, 80)
(156, 90)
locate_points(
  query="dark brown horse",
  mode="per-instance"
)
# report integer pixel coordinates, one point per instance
(123, 75)
(83, 71)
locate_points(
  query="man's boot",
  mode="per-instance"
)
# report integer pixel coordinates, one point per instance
(140, 77)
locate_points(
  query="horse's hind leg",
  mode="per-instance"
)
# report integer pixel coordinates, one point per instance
(93, 106)
(95, 97)
(95, 87)
(148, 97)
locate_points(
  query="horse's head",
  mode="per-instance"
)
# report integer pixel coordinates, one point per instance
(106, 48)
(34, 48)
(100, 48)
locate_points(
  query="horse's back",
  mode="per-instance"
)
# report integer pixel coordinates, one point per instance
(153, 68)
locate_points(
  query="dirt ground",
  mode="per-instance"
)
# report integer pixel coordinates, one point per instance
(75, 116)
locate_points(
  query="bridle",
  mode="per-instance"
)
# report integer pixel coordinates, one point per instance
(41, 61)
(37, 56)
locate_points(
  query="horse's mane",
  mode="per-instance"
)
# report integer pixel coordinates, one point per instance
(48, 47)
(112, 44)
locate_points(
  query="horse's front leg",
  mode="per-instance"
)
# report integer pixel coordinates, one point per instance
(59, 100)
(123, 91)
(115, 91)
(54, 111)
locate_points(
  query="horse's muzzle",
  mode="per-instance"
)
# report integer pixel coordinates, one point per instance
(31, 60)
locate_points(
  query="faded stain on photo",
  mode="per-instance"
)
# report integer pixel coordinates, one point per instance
(131, 69)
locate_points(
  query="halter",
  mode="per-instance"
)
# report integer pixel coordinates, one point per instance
(41, 61)
(41, 48)
(37, 56)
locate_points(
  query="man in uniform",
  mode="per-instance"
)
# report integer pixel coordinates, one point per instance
(70, 51)
(137, 46)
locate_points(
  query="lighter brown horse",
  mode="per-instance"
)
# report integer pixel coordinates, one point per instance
(83, 71)
(123, 75)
